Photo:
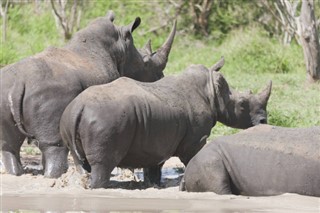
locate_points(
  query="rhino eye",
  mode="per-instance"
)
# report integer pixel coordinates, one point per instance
(127, 35)
(242, 104)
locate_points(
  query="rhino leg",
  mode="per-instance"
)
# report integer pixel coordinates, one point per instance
(100, 175)
(11, 141)
(11, 162)
(207, 174)
(152, 174)
(105, 159)
(54, 160)
(81, 167)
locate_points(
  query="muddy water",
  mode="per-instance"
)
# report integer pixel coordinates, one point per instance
(108, 203)
(34, 193)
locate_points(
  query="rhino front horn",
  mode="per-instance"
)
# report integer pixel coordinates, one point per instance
(265, 94)
(161, 56)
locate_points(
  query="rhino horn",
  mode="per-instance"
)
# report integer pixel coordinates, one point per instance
(217, 66)
(147, 47)
(265, 94)
(110, 15)
(161, 56)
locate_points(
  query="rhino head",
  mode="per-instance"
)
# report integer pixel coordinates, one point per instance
(114, 45)
(148, 66)
(235, 109)
(248, 109)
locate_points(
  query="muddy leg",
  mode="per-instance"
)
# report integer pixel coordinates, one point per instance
(82, 167)
(11, 162)
(100, 175)
(54, 160)
(153, 174)
(11, 142)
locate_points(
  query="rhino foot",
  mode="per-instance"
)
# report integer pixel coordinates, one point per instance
(152, 174)
(54, 160)
(100, 176)
(11, 163)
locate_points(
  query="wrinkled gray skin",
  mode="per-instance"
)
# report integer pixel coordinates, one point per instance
(134, 124)
(36, 90)
(263, 160)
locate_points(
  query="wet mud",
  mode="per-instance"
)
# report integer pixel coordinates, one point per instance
(32, 192)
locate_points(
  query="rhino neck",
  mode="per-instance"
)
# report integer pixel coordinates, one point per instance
(193, 87)
(222, 100)
(104, 68)
(227, 114)
(194, 83)
(212, 94)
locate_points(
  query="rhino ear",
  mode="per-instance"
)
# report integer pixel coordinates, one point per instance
(135, 24)
(265, 94)
(110, 15)
(217, 66)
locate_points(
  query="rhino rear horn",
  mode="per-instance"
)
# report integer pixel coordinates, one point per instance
(147, 47)
(265, 94)
(110, 15)
(217, 66)
(161, 56)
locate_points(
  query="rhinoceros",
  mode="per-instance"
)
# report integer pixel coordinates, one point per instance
(36, 90)
(260, 161)
(135, 124)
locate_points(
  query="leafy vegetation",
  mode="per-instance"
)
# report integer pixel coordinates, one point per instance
(252, 56)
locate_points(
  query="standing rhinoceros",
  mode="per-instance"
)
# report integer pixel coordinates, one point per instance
(36, 90)
(263, 160)
(133, 124)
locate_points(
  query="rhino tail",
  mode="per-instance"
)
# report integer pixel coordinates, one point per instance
(76, 144)
(15, 97)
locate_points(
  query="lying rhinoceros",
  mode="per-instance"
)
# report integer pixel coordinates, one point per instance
(133, 124)
(263, 160)
(35, 91)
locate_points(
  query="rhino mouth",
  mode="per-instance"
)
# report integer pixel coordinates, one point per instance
(263, 121)
(259, 121)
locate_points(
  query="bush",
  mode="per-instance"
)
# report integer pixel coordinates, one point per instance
(252, 51)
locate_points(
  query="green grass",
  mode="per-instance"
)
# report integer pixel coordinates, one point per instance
(30, 150)
(27, 34)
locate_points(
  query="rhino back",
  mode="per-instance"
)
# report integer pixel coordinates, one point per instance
(153, 126)
(154, 116)
(268, 160)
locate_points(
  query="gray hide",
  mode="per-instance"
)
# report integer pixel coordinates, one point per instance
(133, 124)
(263, 160)
(36, 90)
